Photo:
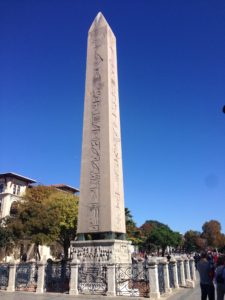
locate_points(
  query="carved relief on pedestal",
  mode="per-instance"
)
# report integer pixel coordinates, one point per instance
(89, 253)
(93, 253)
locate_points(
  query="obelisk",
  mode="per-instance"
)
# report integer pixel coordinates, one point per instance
(101, 217)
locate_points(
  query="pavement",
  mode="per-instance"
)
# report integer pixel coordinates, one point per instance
(186, 294)
(180, 294)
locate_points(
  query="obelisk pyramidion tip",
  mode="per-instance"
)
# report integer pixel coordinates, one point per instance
(98, 21)
(98, 17)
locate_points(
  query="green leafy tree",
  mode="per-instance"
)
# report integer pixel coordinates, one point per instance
(6, 240)
(44, 216)
(159, 236)
(133, 232)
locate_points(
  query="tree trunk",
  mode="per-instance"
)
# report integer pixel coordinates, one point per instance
(38, 256)
(163, 251)
(66, 246)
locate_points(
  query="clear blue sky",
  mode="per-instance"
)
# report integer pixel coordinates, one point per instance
(171, 62)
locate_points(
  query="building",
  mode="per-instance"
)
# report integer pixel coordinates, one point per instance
(12, 187)
(65, 188)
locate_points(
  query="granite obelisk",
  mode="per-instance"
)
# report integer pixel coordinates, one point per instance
(101, 219)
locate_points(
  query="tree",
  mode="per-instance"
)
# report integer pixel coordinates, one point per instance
(212, 234)
(193, 241)
(133, 233)
(6, 239)
(147, 227)
(45, 215)
(160, 236)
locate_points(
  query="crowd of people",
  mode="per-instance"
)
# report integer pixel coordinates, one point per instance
(211, 268)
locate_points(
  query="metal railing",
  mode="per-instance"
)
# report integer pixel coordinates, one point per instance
(132, 280)
(4, 276)
(26, 277)
(92, 279)
(57, 277)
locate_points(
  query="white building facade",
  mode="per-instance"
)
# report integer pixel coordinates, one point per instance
(12, 187)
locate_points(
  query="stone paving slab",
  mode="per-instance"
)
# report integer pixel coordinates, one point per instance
(186, 294)
(181, 294)
(56, 296)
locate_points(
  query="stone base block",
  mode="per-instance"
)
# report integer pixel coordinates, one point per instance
(155, 295)
(10, 289)
(73, 292)
(111, 294)
(100, 251)
(39, 290)
(168, 290)
(190, 284)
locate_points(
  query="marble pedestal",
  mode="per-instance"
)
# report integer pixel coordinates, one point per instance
(102, 251)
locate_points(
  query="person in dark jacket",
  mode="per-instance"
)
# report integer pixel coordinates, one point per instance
(220, 278)
(205, 270)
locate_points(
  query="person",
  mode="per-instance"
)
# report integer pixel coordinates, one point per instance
(24, 257)
(220, 278)
(168, 257)
(205, 270)
(196, 259)
(215, 256)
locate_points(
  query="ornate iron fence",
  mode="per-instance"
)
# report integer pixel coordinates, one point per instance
(57, 277)
(132, 280)
(161, 278)
(92, 279)
(171, 276)
(4, 276)
(26, 277)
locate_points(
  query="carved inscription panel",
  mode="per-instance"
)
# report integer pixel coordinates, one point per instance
(116, 142)
(97, 39)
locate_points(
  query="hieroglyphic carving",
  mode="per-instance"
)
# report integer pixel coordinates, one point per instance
(94, 216)
(97, 38)
(115, 132)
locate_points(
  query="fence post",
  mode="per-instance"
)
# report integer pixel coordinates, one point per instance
(166, 276)
(74, 276)
(41, 276)
(174, 271)
(12, 277)
(189, 282)
(182, 274)
(192, 267)
(111, 279)
(153, 278)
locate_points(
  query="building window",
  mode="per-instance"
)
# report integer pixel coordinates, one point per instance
(1, 187)
(18, 189)
(13, 209)
(14, 189)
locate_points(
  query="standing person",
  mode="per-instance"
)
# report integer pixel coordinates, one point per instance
(205, 270)
(196, 258)
(220, 278)
(168, 257)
